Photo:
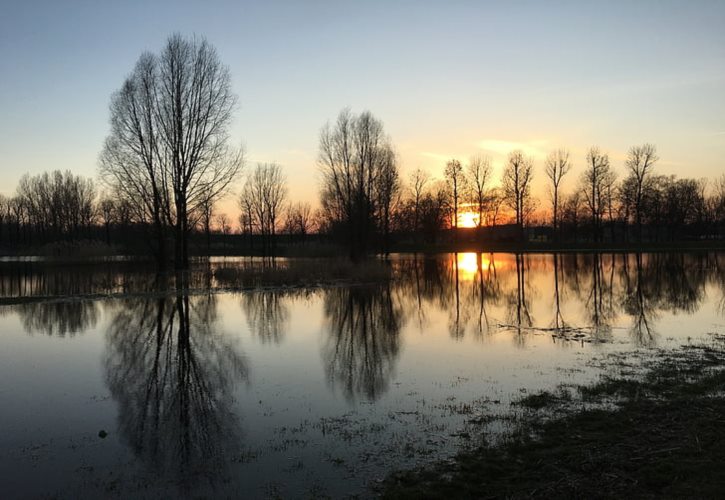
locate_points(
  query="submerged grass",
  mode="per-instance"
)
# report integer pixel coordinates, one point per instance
(659, 434)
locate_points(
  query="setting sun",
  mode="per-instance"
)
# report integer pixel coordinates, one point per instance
(467, 217)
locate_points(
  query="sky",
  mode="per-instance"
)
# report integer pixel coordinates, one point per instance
(448, 78)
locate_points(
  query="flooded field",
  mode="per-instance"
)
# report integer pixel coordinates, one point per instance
(117, 382)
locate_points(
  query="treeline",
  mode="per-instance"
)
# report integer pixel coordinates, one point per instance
(364, 201)
(366, 205)
(60, 206)
(641, 206)
(49, 207)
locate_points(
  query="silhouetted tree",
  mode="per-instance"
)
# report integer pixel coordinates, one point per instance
(496, 201)
(107, 213)
(595, 180)
(298, 220)
(353, 154)
(169, 132)
(133, 160)
(716, 207)
(57, 204)
(516, 184)
(478, 179)
(387, 187)
(265, 191)
(418, 182)
(4, 216)
(435, 210)
(557, 166)
(640, 162)
(456, 181)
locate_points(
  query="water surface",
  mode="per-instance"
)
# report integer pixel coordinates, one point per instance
(205, 390)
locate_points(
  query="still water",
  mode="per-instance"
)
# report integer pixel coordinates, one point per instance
(308, 391)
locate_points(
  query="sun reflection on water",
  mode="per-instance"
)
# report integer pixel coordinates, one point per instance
(467, 265)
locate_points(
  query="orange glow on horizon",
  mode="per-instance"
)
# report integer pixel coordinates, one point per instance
(467, 219)
(468, 216)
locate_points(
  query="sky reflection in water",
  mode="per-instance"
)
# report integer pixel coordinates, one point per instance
(292, 390)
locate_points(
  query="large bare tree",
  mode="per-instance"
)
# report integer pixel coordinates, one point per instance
(132, 163)
(168, 146)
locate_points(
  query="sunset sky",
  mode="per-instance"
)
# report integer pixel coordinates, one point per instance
(447, 78)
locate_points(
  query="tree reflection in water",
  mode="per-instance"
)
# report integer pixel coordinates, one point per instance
(599, 302)
(267, 314)
(362, 341)
(639, 301)
(594, 290)
(58, 318)
(518, 316)
(172, 374)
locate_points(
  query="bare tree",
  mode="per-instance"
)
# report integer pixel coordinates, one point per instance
(353, 155)
(456, 183)
(596, 179)
(4, 214)
(132, 163)
(58, 204)
(204, 216)
(387, 193)
(168, 146)
(195, 105)
(265, 192)
(716, 203)
(479, 174)
(435, 210)
(107, 213)
(299, 220)
(17, 215)
(222, 222)
(418, 181)
(516, 185)
(557, 166)
(640, 162)
(495, 201)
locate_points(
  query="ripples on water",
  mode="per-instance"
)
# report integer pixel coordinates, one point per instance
(204, 389)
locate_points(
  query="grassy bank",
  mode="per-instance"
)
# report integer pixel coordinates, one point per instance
(658, 433)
